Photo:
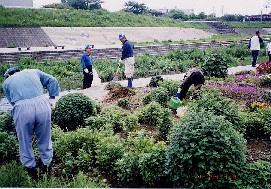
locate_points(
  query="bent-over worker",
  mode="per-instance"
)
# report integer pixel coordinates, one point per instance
(31, 113)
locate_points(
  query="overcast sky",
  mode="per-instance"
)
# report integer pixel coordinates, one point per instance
(208, 6)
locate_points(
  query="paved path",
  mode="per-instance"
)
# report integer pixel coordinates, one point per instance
(98, 93)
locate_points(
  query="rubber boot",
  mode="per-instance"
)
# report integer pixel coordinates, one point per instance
(33, 173)
(130, 83)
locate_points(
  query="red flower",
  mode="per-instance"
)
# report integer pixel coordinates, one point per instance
(217, 177)
(233, 177)
(200, 176)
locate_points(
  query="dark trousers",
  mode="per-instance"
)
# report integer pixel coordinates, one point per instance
(185, 87)
(254, 57)
(88, 78)
(269, 55)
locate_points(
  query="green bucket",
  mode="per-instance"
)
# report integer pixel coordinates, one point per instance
(174, 103)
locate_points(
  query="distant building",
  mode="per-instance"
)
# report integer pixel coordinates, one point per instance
(27, 3)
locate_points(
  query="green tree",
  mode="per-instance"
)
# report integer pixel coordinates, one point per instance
(177, 14)
(84, 4)
(135, 7)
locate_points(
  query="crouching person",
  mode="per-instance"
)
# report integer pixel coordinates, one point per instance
(193, 77)
(31, 113)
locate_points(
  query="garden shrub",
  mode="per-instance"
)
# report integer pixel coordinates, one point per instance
(257, 175)
(143, 164)
(155, 115)
(58, 6)
(159, 95)
(112, 84)
(213, 101)
(155, 81)
(75, 150)
(215, 65)
(204, 149)
(13, 175)
(6, 123)
(170, 86)
(114, 117)
(8, 147)
(257, 123)
(71, 110)
(109, 150)
(237, 50)
(123, 103)
(265, 81)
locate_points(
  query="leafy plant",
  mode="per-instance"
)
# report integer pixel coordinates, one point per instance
(123, 103)
(8, 147)
(71, 110)
(143, 163)
(6, 123)
(155, 115)
(155, 81)
(265, 81)
(205, 149)
(215, 65)
(114, 118)
(170, 86)
(159, 95)
(13, 175)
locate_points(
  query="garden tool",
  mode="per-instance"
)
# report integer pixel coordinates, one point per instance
(116, 77)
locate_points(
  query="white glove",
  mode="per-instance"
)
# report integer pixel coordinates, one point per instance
(52, 102)
(86, 70)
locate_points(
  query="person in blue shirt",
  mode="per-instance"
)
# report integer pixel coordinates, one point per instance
(31, 113)
(86, 63)
(127, 58)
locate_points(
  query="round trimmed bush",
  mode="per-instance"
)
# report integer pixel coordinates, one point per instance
(204, 149)
(71, 110)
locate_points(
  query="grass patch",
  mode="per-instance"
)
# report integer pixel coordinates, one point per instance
(15, 17)
(249, 24)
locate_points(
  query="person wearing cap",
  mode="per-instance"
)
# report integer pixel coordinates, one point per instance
(31, 113)
(128, 59)
(255, 46)
(86, 63)
(193, 77)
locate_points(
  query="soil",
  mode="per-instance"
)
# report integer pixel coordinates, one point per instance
(117, 93)
(258, 149)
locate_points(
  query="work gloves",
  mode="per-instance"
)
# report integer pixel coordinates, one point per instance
(178, 95)
(52, 101)
(86, 70)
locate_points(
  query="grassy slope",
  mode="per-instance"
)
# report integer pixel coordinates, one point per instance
(80, 18)
(250, 24)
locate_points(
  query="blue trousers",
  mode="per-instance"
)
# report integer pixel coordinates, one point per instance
(254, 57)
(33, 116)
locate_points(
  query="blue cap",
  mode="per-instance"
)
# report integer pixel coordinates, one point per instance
(89, 46)
(10, 70)
(121, 36)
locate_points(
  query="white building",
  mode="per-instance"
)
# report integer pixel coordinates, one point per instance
(27, 3)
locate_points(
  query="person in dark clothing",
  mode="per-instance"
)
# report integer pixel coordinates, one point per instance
(127, 59)
(86, 62)
(255, 46)
(193, 77)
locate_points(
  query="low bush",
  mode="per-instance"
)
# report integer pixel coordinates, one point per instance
(13, 175)
(9, 147)
(155, 115)
(58, 6)
(143, 164)
(215, 65)
(265, 81)
(213, 101)
(159, 95)
(115, 118)
(6, 123)
(123, 103)
(71, 110)
(257, 175)
(170, 86)
(257, 123)
(111, 85)
(155, 81)
(205, 150)
(76, 150)
(109, 150)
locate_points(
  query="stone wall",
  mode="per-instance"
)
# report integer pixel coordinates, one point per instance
(108, 53)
